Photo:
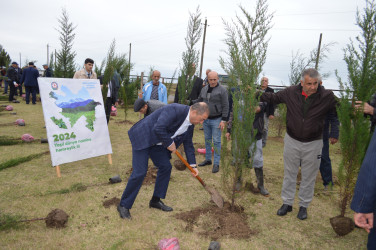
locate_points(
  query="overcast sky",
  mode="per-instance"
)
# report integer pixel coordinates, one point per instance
(157, 30)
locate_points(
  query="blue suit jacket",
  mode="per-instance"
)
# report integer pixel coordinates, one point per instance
(364, 199)
(160, 126)
(30, 77)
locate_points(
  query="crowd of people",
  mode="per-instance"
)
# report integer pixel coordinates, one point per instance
(14, 78)
(311, 123)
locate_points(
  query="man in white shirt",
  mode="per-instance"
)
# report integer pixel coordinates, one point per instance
(157, 136)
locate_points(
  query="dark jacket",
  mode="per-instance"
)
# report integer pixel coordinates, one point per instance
(12, 74)
(304, 126)
(115, 86)
(364, 199)
(332, 121)
(195, 92)
(217, 101)
(269, 110)
(160, 126)
(30, 77)
(258, 122)
(373, 117)
(48, 73)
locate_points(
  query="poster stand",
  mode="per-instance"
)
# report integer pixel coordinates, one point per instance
(58, 173)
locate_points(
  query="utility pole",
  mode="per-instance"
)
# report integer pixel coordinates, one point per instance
(203, 46)
(318, 53)
(20, 61)
(129, 61)
(55, 59)
(48, 54)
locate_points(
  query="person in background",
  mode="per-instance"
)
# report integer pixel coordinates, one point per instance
(331, 121)
(155, 89)
(215, 95)
(3, 73)
(112, 93)
(30, 80)
(269, 111)
(146, 108)
(87, 72)
(13, 81)
(47, 71)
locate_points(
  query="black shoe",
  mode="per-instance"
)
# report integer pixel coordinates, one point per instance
(205, 163)
(15, 101)
(124, 212)
(160, 205)
(215, 168)
(284, 210)
(302, 215)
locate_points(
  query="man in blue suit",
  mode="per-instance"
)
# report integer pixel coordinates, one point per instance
(30, 79)
(157, 136)
(364, 199)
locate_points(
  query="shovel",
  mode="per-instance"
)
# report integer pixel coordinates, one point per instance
(215, 196)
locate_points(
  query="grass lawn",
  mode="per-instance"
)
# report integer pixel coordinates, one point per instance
(32, 190)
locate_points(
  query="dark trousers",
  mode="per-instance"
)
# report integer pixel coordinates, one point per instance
(161, 158)
(326, 164)
(12, 91)
(33, 91)
(108, 106)
(372, 235)
(19, 89)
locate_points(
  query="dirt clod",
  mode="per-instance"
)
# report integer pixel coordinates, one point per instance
(179, 165)
(111, 202)
(57, 218)
(216, 223)
(342, 225)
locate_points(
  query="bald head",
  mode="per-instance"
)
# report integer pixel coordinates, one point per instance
(155, 77)
(264, 83)
(213, 78)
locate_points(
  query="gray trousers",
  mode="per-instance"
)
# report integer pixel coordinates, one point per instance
(265, 131)
(308, 156)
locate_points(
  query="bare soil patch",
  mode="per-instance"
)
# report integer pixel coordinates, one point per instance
(216, 223)
(111, 202)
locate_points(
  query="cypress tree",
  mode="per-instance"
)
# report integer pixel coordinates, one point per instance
(65, 64)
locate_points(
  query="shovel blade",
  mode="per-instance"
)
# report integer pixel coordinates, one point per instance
(215, 196)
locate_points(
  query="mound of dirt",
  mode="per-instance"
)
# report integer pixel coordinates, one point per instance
(179, 165)
(216, 223)
(111, 202)
(57, 218)
(342, 225)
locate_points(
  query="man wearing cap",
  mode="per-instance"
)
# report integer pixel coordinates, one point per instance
(87, 72)
(13, 81)
(146, 108)
(30, 79)
(47, 71)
